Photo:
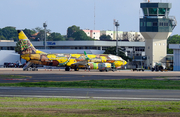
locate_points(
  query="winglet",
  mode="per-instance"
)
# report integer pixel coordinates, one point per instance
(86, 57)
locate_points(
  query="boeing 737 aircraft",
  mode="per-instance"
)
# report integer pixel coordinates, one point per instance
(73, 61)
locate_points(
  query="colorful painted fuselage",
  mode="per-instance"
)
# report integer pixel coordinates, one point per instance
(29, 53)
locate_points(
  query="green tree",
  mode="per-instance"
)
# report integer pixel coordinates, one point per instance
(29, 32)
(40, 36)
(175, 39)
(18, 47)
(71, 30)
(55, 37)
(112, 50)
(105, 37)
(41, 33)
(2, 37)
(80, 35)
(9, 33)
(37, 29)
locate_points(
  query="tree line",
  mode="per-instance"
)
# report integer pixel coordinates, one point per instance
(38, 34)
(175, 39)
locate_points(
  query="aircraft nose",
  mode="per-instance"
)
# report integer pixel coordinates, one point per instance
(124, 63)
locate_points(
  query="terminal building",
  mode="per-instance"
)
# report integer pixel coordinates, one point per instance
(132, 49)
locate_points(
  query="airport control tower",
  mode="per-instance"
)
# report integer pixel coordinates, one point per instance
(156, 26)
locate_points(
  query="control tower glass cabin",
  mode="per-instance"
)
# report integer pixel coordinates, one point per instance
(156, 26)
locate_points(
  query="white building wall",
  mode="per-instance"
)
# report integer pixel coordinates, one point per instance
(176, 54)
(95, 34)
(156, 47)
(8, 56)
(159, 51)
(88, 32)
(113, 34)
(176, 60)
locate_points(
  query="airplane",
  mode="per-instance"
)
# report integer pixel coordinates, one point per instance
(70, 61)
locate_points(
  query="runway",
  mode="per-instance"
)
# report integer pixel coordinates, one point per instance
(87, 93)
(61, 75)
(83, 93)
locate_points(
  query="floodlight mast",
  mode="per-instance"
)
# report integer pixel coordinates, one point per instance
(116, 24)
(44, 25)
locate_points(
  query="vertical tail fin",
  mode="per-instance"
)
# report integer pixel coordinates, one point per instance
(26, 45)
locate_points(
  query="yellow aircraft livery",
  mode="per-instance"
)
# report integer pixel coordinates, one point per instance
(74, 61)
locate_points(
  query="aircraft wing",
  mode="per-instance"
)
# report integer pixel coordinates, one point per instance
(84, 62)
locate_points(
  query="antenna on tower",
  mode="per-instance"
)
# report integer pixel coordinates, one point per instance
(114, 32)
(146, 0)
(94, 15)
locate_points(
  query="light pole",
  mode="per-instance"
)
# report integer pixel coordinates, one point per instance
(116, 24)
(44, 25)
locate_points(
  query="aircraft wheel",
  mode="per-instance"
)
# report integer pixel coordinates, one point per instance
(76, 69)
(29, 69)
(67, 69)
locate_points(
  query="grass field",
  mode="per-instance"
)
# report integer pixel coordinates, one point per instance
(52, 107)
(59, 107)
(123, 83)
(12, 76)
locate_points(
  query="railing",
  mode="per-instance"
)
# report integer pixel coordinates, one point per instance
(174, 21)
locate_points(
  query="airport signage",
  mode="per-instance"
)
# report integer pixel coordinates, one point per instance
(51, 43)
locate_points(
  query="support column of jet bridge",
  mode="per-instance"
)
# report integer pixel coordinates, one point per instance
(156, 26)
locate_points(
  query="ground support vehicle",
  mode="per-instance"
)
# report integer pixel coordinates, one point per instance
(6, 65)
(158, 67)
(106, 67)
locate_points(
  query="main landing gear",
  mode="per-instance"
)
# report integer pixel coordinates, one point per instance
(67, 68)
(76, 68)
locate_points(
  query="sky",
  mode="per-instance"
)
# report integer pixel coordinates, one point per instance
(61, 14)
